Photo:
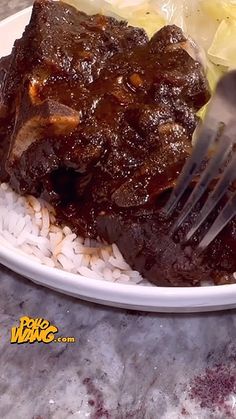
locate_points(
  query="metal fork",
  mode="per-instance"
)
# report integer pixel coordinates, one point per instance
(218, 134)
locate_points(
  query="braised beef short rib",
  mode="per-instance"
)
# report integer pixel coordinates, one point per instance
(98, 119)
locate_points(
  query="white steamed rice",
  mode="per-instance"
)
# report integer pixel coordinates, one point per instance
(28, 225)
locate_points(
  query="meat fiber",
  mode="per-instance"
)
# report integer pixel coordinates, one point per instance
(98, 119)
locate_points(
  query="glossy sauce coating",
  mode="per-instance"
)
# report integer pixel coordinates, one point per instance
(103, 120)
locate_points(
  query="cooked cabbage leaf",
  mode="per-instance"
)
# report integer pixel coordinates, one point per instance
(223, 48)
(220, 9)
(214, 73)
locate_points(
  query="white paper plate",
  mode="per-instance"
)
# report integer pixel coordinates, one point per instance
(130, 296)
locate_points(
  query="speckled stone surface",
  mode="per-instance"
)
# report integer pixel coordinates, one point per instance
(123, 364)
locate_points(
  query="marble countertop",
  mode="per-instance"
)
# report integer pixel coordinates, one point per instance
(122, 365)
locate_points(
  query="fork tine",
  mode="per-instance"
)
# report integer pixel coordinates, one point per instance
(223, 149)
(221, 221)
(221, 187)
(221, 111)
(191, 166)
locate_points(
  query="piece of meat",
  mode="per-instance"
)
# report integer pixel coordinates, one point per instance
(71, 155)
(62, 51)
(51, 96)
(6, 120)
(35, 121)
(4, 68)
(154, 176)
(66, 42)
(144, 238)
(98, 120)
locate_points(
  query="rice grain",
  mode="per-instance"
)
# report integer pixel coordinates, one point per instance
(26, 226)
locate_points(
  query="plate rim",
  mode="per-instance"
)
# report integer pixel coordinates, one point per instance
(145, 297)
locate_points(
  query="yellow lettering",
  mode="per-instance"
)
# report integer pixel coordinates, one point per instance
(31, 324)
(26, 334)
(47, 335)
(44, 324)
(32, 330)
(15, 334)
(41, 323)
(37, 322)
(35, 336)
(61, 339)
(18, 335)
(71, 340)
(24, 322)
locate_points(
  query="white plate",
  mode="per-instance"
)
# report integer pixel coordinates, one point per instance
(130, 296)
